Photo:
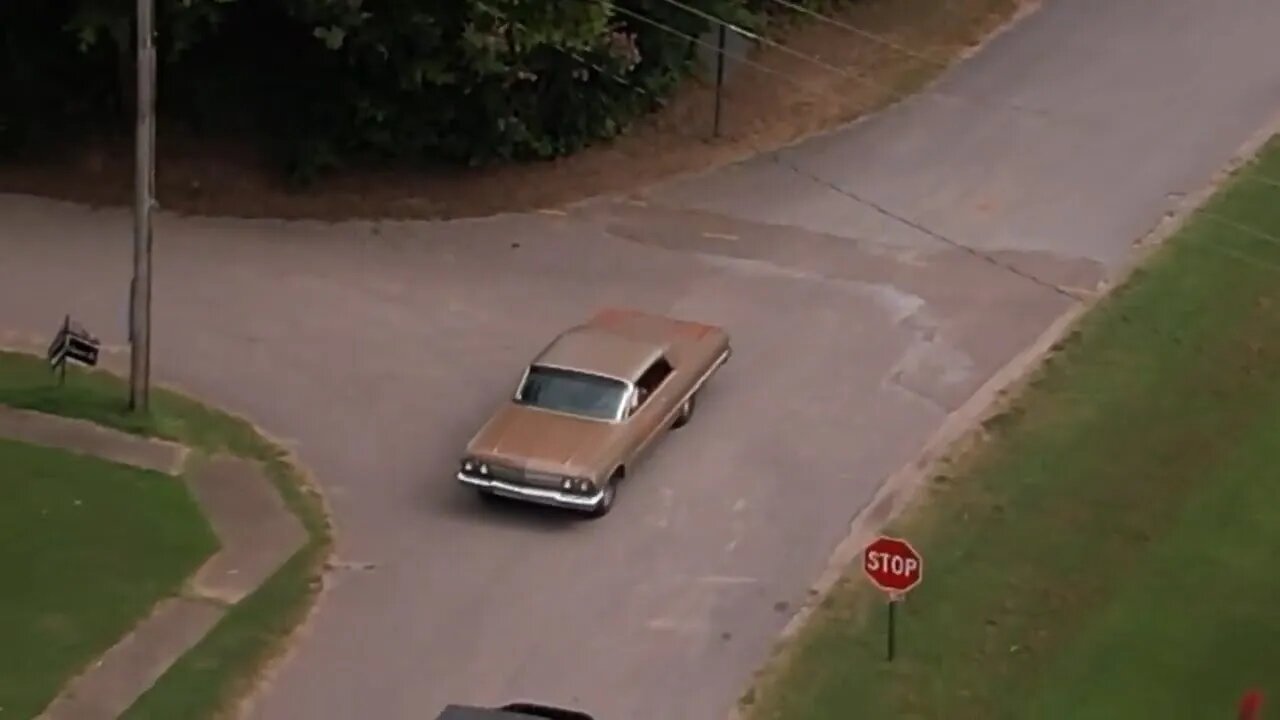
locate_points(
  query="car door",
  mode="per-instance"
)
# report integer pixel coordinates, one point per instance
(656, 405)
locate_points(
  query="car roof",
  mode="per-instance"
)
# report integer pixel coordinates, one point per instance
(466, 712)
(515, 711)
(592, 349)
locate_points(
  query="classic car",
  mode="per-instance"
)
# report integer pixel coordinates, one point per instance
(590, 406)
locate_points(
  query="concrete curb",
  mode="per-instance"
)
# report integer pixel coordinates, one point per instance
(901, 488)
(1026, 8)
(114, 359)
(256, 531)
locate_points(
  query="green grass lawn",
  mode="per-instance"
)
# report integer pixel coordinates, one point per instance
(1112, 549)
(212, 674)
(87, 547)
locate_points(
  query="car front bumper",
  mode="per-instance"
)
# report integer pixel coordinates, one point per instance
(540, 496)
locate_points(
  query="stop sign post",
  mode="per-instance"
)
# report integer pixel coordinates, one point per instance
(895, 567)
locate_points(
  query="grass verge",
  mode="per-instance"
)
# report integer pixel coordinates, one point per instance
(87, 547)
(1108, 549)
(212, 675)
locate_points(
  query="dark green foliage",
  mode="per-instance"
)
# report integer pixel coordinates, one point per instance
(324, 81)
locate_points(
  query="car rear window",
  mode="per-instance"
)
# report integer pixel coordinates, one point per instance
(572, 392)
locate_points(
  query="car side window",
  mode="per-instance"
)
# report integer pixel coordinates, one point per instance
(652, 378)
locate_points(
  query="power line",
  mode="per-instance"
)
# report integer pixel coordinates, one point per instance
(745, 61)
(1238, 256)
(874, 37)
(860, 77)
(881, 209)
(1247, 173)
(970, 250)
(878, 38)
(606, 72)
(1246, 229)
(887, 89)
(857, 77)
(767, 41)
(922, 228)
(1254, 176)
(866, 202)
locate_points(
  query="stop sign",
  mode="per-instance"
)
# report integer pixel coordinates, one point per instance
(892, 564)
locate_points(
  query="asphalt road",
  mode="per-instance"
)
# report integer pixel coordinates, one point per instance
(376, 349)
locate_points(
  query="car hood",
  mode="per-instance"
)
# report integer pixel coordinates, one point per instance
(541, 440)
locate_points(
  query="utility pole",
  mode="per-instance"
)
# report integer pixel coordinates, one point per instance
(719, 78)
(143, 201)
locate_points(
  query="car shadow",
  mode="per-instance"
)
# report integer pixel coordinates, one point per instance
(466, 503)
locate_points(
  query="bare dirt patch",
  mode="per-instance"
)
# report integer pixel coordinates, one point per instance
(761, 111)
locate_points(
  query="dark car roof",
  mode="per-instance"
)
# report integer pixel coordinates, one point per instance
(534, 712)
(460, 712)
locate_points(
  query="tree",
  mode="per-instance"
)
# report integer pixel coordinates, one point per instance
(323, 81)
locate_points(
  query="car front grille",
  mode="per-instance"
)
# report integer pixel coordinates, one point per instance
(539, 478)
(525, 477)
(509, 474)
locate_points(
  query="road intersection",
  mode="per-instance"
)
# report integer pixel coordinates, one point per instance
(375, 349)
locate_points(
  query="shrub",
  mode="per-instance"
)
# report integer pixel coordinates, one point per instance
(323, 81)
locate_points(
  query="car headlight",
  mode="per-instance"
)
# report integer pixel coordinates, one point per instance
(484, 469)
(567, 484)
(585, 486)
(468, 466)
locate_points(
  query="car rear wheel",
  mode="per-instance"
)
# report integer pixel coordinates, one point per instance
(686, 411)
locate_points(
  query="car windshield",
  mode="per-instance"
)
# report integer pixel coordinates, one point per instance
(572, 392)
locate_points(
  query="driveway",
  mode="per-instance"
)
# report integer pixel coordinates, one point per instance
(376, 349)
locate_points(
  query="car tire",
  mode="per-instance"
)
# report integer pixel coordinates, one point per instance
(603, 507)
(686, 412)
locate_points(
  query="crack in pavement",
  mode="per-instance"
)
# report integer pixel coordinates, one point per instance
(904, 284)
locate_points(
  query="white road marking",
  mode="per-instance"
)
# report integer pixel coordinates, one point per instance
(728, 579)
(739, 530)
(663, 519)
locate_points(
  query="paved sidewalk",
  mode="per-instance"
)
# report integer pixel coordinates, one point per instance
(86, 438)
(255, 530)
